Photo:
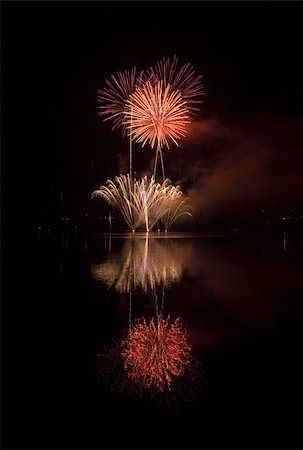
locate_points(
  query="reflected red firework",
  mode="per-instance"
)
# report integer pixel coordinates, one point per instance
(156, 353)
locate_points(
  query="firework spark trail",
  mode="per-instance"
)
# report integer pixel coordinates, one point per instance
(154, 106)
(113, 96)
(113, 99)
(120, 195)
(178, 209)
(156, 352)
(156, 115)
(183, 80)
(142, 201)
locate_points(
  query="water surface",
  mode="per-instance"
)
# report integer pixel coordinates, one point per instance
(68, 295)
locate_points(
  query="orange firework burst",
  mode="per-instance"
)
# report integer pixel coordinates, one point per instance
(155, 114)
(155, 353)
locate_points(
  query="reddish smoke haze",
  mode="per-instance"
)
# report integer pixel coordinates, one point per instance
(258, 161)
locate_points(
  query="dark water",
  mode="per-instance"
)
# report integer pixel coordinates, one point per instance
(66, 296)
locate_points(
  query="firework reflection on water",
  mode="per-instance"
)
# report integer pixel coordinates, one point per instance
(156, 352)
(154, 360)
(123, 376)
(143, 263)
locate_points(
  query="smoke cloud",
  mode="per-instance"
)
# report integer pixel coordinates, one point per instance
(258, 161)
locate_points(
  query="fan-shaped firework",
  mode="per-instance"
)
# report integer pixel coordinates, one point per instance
(120, 195)
(145, 263)
(114, 95)
(141, 201)
(181, 79)
(179, 208)
(155, 353)
(155, 114)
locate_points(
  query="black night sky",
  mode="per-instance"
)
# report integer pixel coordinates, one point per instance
(245, 148)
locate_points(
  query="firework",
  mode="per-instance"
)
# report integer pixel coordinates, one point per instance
(120, 194)
(156, 352)
(111, 373)
(156, 114)
(181, 79)
(179, 208)
(114, 95)
(144, 263)
(141, 202)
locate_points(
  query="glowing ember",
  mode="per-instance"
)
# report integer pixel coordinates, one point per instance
(155, 114)
(155, 353)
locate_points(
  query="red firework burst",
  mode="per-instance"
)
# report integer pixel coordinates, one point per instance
(155, 353)
(116, 92)
(181, 79)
